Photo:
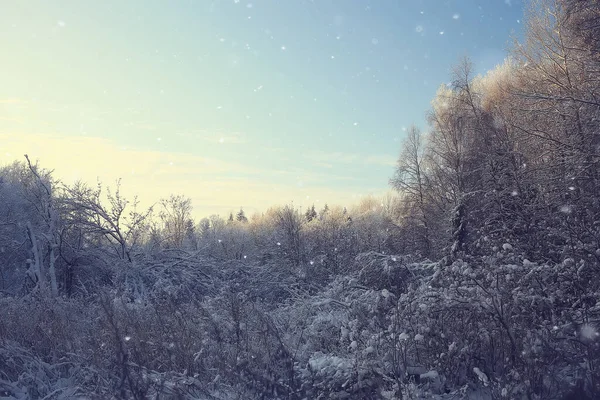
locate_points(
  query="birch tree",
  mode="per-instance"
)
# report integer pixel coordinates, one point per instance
(411, 181)
(44, 238)
(176, 216)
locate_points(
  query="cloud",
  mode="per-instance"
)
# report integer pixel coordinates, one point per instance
(215, 137)
(323, 164)
(328, 159)
(215, 185)
(13, 100)
(11, 109)
(227, 139)
(380, 159)
(142, 126)
(16, 120)
(333, 157)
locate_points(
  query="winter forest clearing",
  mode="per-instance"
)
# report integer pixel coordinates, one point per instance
(478, 279)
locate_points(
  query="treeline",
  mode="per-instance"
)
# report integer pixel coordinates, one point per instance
(51, 232)
(143, 303)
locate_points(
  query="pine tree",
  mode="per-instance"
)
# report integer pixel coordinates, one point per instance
(240, 216)
(311, 213)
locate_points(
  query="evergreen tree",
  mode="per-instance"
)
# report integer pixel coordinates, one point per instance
(240, 216)
(311, 213)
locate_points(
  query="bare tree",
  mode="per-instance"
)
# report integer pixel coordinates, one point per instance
(410, 179)
(45, 239)
(176, 216)
(120, 226)
(289, 222)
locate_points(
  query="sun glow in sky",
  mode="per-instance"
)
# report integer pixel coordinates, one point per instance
(233, 103)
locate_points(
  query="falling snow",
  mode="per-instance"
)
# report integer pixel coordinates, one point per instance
(589, 332)
(281, 71)
(566, 209)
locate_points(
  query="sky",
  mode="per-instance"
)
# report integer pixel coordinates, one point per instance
(233, 103)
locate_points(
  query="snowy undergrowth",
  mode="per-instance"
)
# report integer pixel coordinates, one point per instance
(493, 327)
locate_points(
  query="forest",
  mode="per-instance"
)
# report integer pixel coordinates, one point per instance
(478, 279)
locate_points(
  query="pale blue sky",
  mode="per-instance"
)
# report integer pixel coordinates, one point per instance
(249, 103)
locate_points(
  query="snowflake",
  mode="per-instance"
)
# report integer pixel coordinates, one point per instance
(456, 16)
(566, 209)
(589, 332)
